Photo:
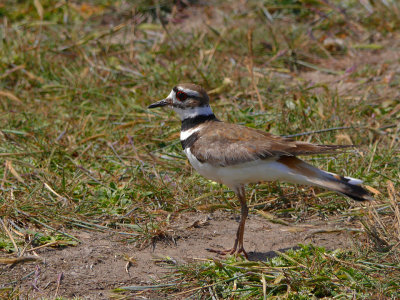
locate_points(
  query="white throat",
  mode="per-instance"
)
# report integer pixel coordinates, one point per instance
(192, 112)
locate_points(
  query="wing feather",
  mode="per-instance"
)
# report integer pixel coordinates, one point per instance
(225, 144)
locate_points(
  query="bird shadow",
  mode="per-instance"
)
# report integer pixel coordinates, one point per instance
(261, 256)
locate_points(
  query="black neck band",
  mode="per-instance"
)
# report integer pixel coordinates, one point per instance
(193, 122)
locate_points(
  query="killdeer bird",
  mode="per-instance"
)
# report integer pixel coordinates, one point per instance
(236, 155)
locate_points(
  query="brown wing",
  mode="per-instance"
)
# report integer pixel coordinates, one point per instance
(224, 144)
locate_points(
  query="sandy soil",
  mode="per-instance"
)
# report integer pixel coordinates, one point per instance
(97, 265)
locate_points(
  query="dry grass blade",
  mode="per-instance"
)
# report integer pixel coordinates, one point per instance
(10, 96)
(59, 279)
(51, 244)
(12, 70)
(250, 67)
(20, 154)
(10, 236)
(131, 261)
(93, 137)
(264, 283)
(19, 260)
(270, 217)
(395, 206)
(10, 167)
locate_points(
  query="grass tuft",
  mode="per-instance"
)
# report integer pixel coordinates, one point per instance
(296, 274)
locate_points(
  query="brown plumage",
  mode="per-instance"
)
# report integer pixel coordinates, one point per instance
(242, 144)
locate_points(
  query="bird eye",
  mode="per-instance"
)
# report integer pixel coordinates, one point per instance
(181, 95)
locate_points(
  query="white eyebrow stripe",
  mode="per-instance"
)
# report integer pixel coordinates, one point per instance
(189, 91)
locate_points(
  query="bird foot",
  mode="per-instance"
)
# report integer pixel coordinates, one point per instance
(232, 251)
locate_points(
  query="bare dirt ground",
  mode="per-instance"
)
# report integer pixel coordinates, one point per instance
(96, 266)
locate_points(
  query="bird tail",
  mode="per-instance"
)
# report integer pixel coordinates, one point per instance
(348, 186)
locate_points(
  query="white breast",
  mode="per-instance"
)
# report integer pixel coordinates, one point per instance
(248, 172)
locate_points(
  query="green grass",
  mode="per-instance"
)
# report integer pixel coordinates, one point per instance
(296, 274)
(78, 148)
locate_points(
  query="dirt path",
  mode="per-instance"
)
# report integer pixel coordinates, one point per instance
(97, 265)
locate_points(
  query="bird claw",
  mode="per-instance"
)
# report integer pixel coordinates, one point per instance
(232, 251)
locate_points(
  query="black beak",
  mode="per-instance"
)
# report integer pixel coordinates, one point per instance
(163, 102)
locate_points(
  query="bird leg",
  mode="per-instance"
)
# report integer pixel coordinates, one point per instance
(238, 245)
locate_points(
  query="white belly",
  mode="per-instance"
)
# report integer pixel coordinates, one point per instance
(249, 172)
